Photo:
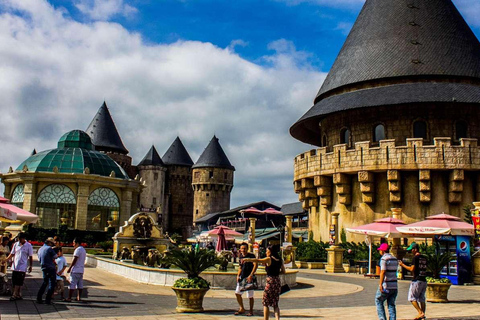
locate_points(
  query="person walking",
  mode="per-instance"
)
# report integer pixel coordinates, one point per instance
(246, 273)
(388, 288)
(61, 266)
(416, 292)
(22, 256)
(274, 267)
(47, 257)
(76, 270)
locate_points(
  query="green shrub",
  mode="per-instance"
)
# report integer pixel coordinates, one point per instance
(194, 283)
(105, 245)
(312, 251)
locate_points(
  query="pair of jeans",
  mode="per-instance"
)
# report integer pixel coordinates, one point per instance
(50, 281)
(390, 297)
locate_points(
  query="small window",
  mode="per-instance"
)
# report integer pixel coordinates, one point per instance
(197, 175)
(345, 136)
(154, 200)
(379, 133)
(324, 141)
(208, 194)
(210, 174)
(155, 176)
(420, 129)
(461, 128)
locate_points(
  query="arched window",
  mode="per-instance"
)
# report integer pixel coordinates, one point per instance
(17, 195)
(324, 140)
(345, 136)
(461, 128)
(379, 133)
(103, 205)
(56, 201)
(420, 129)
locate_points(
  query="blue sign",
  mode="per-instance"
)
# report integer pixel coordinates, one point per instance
(464, 262)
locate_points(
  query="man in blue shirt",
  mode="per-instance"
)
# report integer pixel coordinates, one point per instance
(47, 257)
(387, 289)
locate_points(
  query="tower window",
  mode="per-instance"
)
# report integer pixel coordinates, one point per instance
(420, 129)
(379, 133)
(197, 175)
(210, 174)
(155, 176)
(225, 176)
(208, 195)
(345, 136)
(324, 141)
(154, 200)
(461, 128)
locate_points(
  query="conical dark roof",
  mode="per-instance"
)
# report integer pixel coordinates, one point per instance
(34, 152)
(177, 155)
(152, 158)
(214, 156)
(400, 45)
(104, 133)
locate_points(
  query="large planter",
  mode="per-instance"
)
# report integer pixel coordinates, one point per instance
(438, 292)
(476, 269)
(190, 300)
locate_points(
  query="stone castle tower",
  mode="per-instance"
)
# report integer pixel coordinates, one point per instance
(178, 193)
(212, 181)
(396, 120)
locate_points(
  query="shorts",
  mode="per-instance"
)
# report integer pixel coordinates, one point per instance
(59, 287)
(76, 281)
(18, 277)
(249, 292)
(417, 291)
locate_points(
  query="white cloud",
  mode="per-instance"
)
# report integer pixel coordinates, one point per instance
(470, 9)
(237, 43)
(104, 9)
(327, 3)
(56, 73)
(344, 27)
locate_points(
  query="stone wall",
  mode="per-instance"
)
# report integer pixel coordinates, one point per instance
(153, 194)
(179, 197)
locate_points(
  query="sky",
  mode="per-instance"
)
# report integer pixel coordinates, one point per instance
(244, 71)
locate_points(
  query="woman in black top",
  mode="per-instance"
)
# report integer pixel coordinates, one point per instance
(271, 294)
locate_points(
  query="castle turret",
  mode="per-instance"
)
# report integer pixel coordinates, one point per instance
(106, 139)
(212, 181)
(395, 120)
(152, 170)
(178, 204)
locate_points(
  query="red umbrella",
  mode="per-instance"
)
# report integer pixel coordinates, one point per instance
(221, 241)
(384, 228)
(440, 224)
(271, 211)
(14, 213)
(251, 210)
(226, 231)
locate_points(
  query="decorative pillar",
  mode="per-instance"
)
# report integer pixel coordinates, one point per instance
(251, 241)
(397, 250)
(30, 196)
(367, 186)
(342, 188)
(335, 253)
(394, 182)
(424, 185)
(455, 186)
(126, 207)
(288, 229)
(82, 207)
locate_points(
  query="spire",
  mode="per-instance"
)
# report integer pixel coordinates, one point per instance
(177, 155)
(399, 52)
(152, 158)
(214, 156)
(104, 133)
(34, 152)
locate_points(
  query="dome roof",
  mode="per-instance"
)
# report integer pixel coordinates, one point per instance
(74, 154)
(399, 53)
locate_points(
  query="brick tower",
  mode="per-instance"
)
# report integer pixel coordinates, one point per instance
(212, 181)
(396, 120)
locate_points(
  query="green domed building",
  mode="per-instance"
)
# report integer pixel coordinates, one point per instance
(74, 184)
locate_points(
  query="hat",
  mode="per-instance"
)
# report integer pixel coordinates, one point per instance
(50, 239)
(383, 247)
(412, 246)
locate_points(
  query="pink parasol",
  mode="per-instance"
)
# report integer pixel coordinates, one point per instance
(221, 241)
(226, 231)
(251, 210)
(13, 214)
(383, 228)
(440, 224)
(271, 211)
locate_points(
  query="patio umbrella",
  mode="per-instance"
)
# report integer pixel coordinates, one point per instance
(226, 231)
(251, 210)
(383, 228)
(271, 211)
(221, 241)
(440, 224)
(14, 214)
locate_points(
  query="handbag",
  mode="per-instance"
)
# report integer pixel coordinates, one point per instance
(284, 289)
(247, 286)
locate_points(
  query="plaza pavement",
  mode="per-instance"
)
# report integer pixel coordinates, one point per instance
(318, 296)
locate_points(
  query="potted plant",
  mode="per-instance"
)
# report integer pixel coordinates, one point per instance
(437, 288)
(191, 290)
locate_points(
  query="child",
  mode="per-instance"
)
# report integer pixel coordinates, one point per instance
(61, 266)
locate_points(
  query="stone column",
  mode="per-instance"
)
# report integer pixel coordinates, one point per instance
(335, 253)
(82, 206)
(251, 241)
(126, 207)
(397, 250)
(288, 228)
(30, 196)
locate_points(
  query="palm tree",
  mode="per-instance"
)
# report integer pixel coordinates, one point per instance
(436, 262)
(192, 262)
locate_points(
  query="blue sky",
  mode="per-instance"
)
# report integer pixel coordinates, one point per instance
(243, 70)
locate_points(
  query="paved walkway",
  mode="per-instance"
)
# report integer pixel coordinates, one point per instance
(318, 296)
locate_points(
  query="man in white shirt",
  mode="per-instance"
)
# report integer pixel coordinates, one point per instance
(76, 270)
(22, 254)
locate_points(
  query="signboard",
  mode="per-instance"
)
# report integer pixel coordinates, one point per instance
(476, 221)
(464, 263)
(255, 249)
(332, 234)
